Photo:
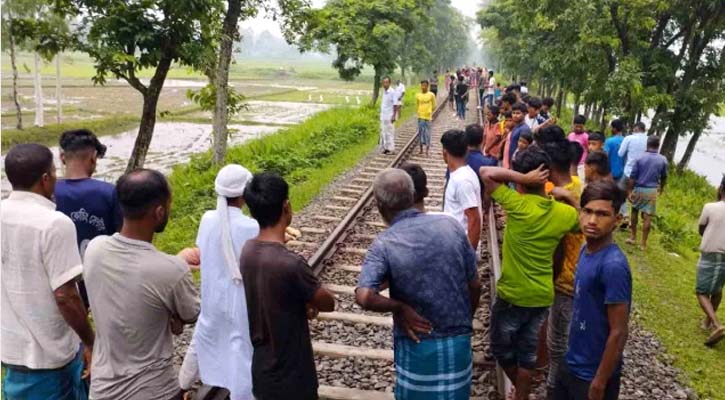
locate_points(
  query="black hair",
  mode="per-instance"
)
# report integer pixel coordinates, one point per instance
(534, 102)
(424, 81)
(508, 114)
(454, 142)
(580, 119)
(653, 142)
(548, 101)
(551, 133)
(509, 98)
(640, 125)
(617, 124)
(603, 190)
(386, 77)
(494, 110)
(596, 136)
(25, 165)
(79, 140)
(559, 153)
(474, 135)
(265, 196)
(575, 151)
(529, 160)
(526, 136)
(490, 72)
(139, 190)
(519, 107)
(420, 180)
(600, 161)
(525, 98)
(460, 77)
(523, 83)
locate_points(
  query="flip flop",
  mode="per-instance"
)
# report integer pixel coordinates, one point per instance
(716, 336)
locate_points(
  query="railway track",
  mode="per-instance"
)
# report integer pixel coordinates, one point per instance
(353, 347)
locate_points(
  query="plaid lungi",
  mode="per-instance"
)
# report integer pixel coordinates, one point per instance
(439, 368)
(644, 200)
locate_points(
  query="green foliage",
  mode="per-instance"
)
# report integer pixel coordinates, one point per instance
(206, 99)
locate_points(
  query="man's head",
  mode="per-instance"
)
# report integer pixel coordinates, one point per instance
(386, 82)
(546, 104)
(596, 167)
(579, 122)
(617, 126)
(551, 133)
(529, 160)
(507, 101)
(474, 136)
(492, 113)
(523, 83)
(394, 192)
(559, 153)
(145, 197)
(596, 141)
(398, 82)
(599, 215)
(490, 72)
(454, 145)
(534, 105)
(653, 143)
(518, 112)
(424, 86)
(639, 127)
(267, 197)
(509, 120)
(576, 151)
(420, 181)
(525, 139)
(230, 183)
(461, 78)
(30, 168)
(81, 148)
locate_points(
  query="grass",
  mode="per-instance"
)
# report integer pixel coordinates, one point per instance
(664, 282)
(49, 134)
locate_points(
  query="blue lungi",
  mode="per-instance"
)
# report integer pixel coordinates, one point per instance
(46, 384)
(439, 368)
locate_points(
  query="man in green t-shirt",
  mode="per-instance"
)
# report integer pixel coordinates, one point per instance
(535, 224)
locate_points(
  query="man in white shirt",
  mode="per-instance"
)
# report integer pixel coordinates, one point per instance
(387, 117)
(400, 93)
(490, 88)
(633, 146)
(43, 316)
(221, 342)
(463, 191)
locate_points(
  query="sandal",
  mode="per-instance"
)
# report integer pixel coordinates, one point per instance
(716, 337)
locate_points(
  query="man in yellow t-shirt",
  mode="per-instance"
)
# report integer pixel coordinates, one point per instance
(425, 104)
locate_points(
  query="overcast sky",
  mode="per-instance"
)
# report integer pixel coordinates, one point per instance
(259, 24)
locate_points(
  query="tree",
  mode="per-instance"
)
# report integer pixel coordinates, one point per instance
(9, 27)
(124, 38)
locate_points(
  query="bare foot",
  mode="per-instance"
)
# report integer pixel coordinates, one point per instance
(630, 241)
(706, 324)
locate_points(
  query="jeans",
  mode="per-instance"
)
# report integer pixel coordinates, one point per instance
(460, 108)
(569, 387)
(515, 333)
(46, 384)
(488, 98)
(557, 335)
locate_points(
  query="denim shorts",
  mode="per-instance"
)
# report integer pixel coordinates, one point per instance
(515, 333)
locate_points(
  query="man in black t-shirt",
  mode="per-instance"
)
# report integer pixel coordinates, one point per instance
(281, 294)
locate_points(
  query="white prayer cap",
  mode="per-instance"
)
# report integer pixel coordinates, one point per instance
(230, 182)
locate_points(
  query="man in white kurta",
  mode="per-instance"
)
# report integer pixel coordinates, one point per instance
(387, 117)
(221, 340)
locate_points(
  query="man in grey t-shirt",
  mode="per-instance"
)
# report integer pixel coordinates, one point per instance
(139, 297)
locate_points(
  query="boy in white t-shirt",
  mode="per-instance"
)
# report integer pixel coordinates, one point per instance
(463, 191)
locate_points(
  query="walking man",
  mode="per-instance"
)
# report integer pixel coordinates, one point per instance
(139, 297)
(461, 98)
(43, 316)
(646, 181)
(281, 293)
(463, 191)
(434, 291)
(90, 203)
(425, 105)
(221, 342)
(602, 301)
(399, 94)
(387, 117)
(711, 267)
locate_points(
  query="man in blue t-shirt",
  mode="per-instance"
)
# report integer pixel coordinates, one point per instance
(475, 158)
(518, 113)
(602, 298)
(90, 203)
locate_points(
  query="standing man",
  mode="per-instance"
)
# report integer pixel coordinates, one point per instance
(518, 114)
(633, 146)
(434, 83)
(387, 117)
(611, 147)
(90, 203)
(281, 293)
(139, 297)
(493, 134)
(221, 342)
(463, 191)
(646, 181)
(425, 104)
(42, 313)
(490, 88)
(399, 94)
(434, 291)
(535, 225)
(461, 98)
(711, 267)
(601, 303)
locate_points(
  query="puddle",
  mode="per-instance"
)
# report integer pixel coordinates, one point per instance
(280, 111)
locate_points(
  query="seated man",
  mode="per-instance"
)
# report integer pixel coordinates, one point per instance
(534, 226)
(434, 291)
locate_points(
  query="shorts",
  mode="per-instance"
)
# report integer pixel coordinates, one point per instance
(644, 200)
(515, 334)
(424, 131)
(710, 273)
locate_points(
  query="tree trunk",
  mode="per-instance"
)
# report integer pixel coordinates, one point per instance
(229, 32)
(58, 94)
(688, 151)
(376, 86)
(148, 115)
(13, 63)
(669, 144)
(38, 89)
(559, 100)
(603, 121)
(576, 104)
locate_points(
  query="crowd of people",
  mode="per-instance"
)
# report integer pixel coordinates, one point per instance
(76, 246)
